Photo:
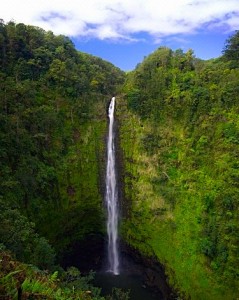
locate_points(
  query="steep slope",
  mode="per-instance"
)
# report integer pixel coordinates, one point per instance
(52, 128)
(179, 135)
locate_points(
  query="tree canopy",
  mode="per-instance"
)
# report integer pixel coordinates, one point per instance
(231, 50)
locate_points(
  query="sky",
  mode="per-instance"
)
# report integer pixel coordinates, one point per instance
(123, 32)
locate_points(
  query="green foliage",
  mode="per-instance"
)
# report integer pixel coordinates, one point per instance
(118, 294)
(179, 137)
(231, 50)
(52, 128)
(74, 280)
(20, 281)
(19, 236)
(181, 169)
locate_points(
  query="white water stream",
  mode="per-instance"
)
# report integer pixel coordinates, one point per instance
(111, 197)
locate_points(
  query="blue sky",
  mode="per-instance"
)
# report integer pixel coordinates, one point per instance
(124, 31)
(127, 55)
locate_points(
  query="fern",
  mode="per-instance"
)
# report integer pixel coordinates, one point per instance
(54, 276)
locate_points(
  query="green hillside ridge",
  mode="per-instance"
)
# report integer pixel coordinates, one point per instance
(179, 135)
(52, 127)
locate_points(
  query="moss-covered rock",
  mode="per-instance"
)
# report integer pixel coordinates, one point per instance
(173, 186)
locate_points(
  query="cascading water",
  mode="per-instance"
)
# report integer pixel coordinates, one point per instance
(122, 265)
(111, 197)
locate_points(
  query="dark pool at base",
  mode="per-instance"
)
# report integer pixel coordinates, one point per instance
(144, 277)
(142, 282)
(138, 291)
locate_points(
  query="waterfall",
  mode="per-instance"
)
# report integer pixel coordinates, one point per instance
(111, 197)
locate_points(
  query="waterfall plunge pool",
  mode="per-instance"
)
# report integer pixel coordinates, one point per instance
(126, 282)
(144, 279)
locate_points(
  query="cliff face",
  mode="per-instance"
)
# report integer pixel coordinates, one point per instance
(52, 127)
(179, 139)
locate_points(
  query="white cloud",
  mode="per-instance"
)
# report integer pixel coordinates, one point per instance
(121, 19)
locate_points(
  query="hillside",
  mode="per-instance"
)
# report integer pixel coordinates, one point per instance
(52, 127)
(178, 147)
(179, 132)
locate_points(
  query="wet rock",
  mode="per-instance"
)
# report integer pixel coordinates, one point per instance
(151, 271)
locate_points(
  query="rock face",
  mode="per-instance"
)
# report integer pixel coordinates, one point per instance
(86, 255)
(151, 272)
(90, 254)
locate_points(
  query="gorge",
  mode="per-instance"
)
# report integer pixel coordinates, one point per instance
(177, 150)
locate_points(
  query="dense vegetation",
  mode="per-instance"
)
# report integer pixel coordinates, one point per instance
(52, 128)
(180, 141)
(21, 281)
(179, 136)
